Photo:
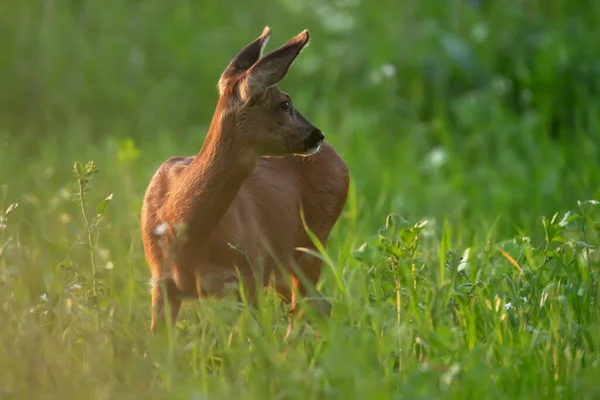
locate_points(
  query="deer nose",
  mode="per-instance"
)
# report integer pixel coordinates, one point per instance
(315, 138)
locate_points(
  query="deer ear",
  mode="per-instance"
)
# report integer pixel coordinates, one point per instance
(273, 67)
(246, 58)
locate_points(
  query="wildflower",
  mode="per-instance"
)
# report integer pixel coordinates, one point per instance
(480, 32)
(437, 157)
(592, 202)
(388, 70)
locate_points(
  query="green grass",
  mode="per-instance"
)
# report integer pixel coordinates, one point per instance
(482, 122)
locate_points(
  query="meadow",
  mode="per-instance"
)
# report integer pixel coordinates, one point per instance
(465, 264)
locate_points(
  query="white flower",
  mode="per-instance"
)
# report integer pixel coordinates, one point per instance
(429, 227)
(437, 157)
(388, 70)
(592, 202)
(76, 286)
(508, 306)
(109, 265)
(44, 297)
(480, 32)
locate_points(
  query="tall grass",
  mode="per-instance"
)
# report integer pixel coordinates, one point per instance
(465, 264)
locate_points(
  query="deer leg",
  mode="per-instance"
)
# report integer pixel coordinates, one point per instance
(161, 291)
(310, 268)
(288, 294)
(293, 301)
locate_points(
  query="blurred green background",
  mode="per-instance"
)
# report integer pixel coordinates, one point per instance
(481, 115)
(458, 109)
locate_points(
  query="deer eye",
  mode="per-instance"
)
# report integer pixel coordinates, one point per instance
(286, 106)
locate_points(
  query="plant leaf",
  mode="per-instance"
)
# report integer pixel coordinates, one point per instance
(103, 204)
(79, 170)
(11, 208)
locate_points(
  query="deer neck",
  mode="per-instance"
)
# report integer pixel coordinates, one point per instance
(211, 182)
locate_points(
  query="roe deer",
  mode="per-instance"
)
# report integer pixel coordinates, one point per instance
(261, 163)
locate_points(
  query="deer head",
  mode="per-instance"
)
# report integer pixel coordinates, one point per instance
(265, 118)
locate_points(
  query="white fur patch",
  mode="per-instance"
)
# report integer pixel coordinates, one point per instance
(161, 229)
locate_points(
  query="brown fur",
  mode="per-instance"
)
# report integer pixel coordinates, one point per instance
(240, 197)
